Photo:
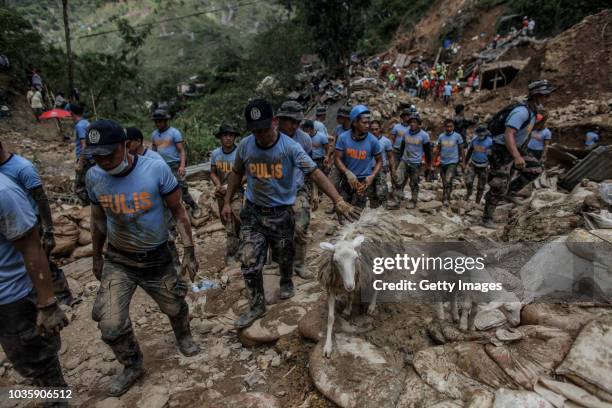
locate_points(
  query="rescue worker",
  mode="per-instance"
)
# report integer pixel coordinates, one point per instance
(413, 145)
(478, 154)
(128, 196)
(319, 145)
(289, 117)
(507, 155)
(450, 151)
(388, 167)
(30, 315)
(358, 159)
(83, 161)
(221, 164)
(539, 138)
(168, 142)
(270, 160)
(136, 147)
(342, 118)
(319, 123)
(398, 132)
(23, 173)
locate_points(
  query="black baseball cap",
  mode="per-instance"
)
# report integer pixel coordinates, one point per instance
(258, 114)
(103, 137)
(308, 124)
(133, 133)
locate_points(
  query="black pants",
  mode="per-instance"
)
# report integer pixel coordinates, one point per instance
(33, 356)
(536, 153)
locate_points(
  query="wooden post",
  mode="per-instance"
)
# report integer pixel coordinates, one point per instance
(68, 47)
(93, 104)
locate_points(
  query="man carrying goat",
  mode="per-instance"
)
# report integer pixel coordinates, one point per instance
(271, 161)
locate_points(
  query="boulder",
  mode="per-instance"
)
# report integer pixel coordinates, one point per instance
(358, 374)
(154, 396)
(110, 403)
(247, 400)
(280, 320)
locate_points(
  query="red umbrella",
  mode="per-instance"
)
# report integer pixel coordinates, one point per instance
(55, 114)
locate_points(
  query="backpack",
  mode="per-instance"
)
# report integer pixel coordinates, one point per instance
(497, 124)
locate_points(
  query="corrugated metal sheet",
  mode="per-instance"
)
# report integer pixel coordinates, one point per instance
(198, 172)
(596, 166)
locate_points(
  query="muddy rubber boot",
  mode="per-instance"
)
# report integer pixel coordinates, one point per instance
(487, 219)
(479, 196)
(411, 205)
(257, 302)
(286, 284)
(298, 264)
(182, 333)
(128, 353)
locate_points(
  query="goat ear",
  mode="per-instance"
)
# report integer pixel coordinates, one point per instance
(327, 246)
(358, 241)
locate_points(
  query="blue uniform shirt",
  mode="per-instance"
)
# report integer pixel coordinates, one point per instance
(398, 132)
(305, 141)
(152, 154)
(272, 171)
(23, 173)
(516, 118)
(591, 138)
(338, 131)
(166, 144)
(80, 131)
(319, 141)
(133, 203)
(536, 142)
(358, 154)
(449, 148)
(413, 150)
(481, 149)
(448, 90)
(386, 146)
(16, 219)
(224, 162)
(320, 127)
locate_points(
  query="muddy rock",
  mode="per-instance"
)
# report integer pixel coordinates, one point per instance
(358, 374)
(110, 403)
(417, 393)
(280, 320)
(247, 400)
(154, 396)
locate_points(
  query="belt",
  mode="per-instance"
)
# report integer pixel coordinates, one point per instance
(139, 255)
(268, 210)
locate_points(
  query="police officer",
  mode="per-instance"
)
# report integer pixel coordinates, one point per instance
(319, 123)
(413, 145)
(289, 116)
(128, 196)
(136, 146)
(168, 142)
(83, 162)
(221, 164)
(398, 132)
(450, 150)
(388, 167)
(271, 162)
(507, 155)
(30, 318)
(478, 154)
(343, 124)
(358, 159)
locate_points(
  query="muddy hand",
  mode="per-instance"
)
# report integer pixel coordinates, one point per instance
(190, 263)
(51, 320)
(519, 162)
(347, 211)
(226, 212)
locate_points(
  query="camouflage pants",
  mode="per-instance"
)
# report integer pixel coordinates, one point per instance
(33, 356)
(472, 173)
(182, 182)
(121, 275)
(447, 174)
(301, 213)
(381, 189)
(263, 227)
(79, 183)
(60, 284)
(500, 176)
(351, 196)
(232, 227)
(406, 172)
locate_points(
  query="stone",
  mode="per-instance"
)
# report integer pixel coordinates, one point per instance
(417, 393)
(358, 374)
(248, 400)
(110, 403)
(429, 206)
(280, 320)
(153, 396)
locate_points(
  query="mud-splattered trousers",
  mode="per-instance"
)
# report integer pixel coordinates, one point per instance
(263, 227)
(381, 188)
(33, 356)
(301, 213)
(408, 171)
(447, 174)
(473, 172)
(232, 227)
(187, 198)
(61, 289)
(350, 195)
(501, 172)
(79, 183)
(155, 272)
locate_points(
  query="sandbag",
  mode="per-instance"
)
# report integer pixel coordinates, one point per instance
(83, 252)
(562, 316)
(537, 354)
(505, 398)
(84, 237)
(590, 357)
(570, 392)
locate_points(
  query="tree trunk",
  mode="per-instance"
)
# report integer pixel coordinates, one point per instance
(68, 48)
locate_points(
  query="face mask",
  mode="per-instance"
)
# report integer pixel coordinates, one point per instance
(539, 107)
(121, 167)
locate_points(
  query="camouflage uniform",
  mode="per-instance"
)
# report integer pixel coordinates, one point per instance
(502, 167)
(381, 189)
(471, 174)
(232, 227)
(350, 195)
(32, 355)
(301, 211)
(408, 171)
(187, 198)
(447, 174)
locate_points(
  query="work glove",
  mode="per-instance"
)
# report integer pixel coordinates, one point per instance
(346, 211)
(190, 263)
(352, 179)
(98, 264)
(50, 320)
(48, 241)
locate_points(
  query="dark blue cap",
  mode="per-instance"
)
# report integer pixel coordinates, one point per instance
(258, 114)
(103, 137)
(133, 133)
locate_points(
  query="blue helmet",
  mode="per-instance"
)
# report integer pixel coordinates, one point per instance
(357, 111)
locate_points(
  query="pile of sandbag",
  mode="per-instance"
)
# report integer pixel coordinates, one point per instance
(72, 232)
